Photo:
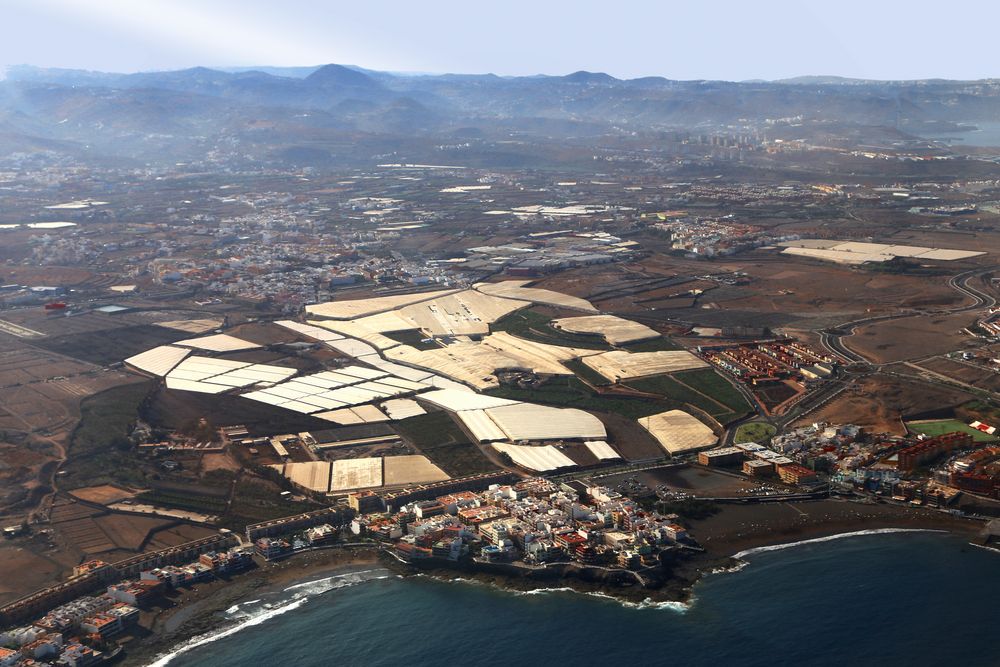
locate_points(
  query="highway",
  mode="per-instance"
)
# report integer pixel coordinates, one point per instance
(832, 340)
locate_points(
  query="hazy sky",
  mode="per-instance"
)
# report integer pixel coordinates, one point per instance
(687, 39)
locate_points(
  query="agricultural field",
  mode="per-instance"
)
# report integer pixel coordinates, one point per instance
(176, 409)
(99, 449)
(438, 438)
(40, 391)
(704, 389)
(111, 345)
(570, 392)
(878, 403)
(911, 338)
(533, 325)
(978, 376)
(758, 432)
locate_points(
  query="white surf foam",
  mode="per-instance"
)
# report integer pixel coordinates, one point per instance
(302, 593)
(829, 538)
(648, 603)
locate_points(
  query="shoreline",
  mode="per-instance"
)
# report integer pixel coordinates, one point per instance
(198, 611)
(727, 537)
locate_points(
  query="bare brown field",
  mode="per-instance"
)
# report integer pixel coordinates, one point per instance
(782, 291)
(51, 406)
(911, 337)
(45, 275)
(222, 461)
(92, 531)
(177, 535)
(128, 531)
(23, 571)
(20, 467)
(977, 376)
(105, 494)
(631, 440)
(879, 401)
(21, 363)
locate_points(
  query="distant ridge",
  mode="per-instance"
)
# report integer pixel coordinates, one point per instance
(338, 75)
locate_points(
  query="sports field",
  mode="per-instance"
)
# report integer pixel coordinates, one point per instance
(938, 427)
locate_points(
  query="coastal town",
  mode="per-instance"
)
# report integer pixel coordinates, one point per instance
(534, 353)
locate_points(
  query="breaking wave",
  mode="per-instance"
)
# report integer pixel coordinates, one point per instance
(829, 538)
(301, 593)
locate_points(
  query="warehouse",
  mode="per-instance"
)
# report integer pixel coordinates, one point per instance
(467, 362)
(402, 408)
(212, 376)
(854, 252)
(540, 357)
(332, 390)
(467, 313)
(602, 450)
(354, 329)
(454, 401)
(196, 327)
(311, 475)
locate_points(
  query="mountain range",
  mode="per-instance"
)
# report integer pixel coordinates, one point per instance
(177, 114)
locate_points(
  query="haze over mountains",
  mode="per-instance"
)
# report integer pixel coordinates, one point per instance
(179, 114)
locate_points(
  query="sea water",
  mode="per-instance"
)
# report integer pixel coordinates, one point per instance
(906, 598)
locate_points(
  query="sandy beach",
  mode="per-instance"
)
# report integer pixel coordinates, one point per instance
(740, 527)
(190, 612)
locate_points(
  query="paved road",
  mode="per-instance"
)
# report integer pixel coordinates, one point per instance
(833, 341)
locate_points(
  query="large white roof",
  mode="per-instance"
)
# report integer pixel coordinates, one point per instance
(346, 310)
(622, 365)
(541, 459)
(615, 330)
(528, 421)
(602, 450)
(479, 424)
(159, 360)
(310, 330)
(402, 408)
(218, 343)
(454, 401)
(515, 289)
(678, 432)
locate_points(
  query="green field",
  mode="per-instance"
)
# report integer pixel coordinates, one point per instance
(755, 432)
(653, 345)
(100, 450)
(572, 393)
(413, 338)
(586, 373)
(440, 439)
(941, 426)
(534, 326)
(704, 389)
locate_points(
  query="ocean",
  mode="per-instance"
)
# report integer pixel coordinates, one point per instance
(901, 598)
(986, 134)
